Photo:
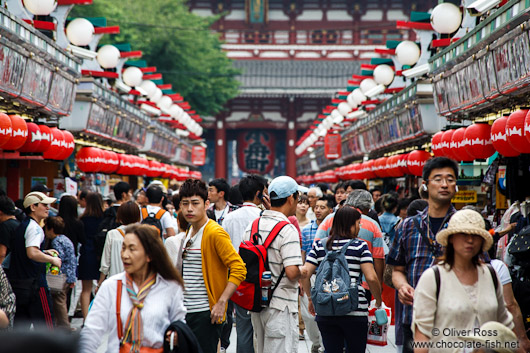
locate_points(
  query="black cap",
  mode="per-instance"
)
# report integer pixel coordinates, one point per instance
(40, 187)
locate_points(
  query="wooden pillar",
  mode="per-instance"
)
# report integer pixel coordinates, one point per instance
(221, 167)
(290, 156)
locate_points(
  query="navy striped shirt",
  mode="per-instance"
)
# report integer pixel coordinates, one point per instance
(356, 254)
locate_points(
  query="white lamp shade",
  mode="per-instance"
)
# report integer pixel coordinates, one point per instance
(343, 108)
(132, 76)
(149, 87)
(108, 56)
(407, 53)
(446, 18)
(164, 102)
(156, 96)
(358, 96)
(80, 32)
(175, 111)
(367, 84)
(40, 7)
(383, 74)
(351, 101)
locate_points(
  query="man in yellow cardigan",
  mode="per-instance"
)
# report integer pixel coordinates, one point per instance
(207, 259)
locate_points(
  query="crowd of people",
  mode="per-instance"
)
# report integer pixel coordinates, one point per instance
(155, 267)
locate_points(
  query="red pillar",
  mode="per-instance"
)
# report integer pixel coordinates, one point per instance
(290, 158)
(220, 148)
(13, 180)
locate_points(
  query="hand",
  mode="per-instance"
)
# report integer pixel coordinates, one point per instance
(301, 293)
(56, 262)
(72, 285)
(218, 311)
(304, 272)
(266, 201)
(524, 344)
(377, 304)
(310, 307)
(175, 338)
(406, 294)
(51, 252)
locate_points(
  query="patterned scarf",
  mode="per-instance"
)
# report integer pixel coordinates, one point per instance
(133, 331)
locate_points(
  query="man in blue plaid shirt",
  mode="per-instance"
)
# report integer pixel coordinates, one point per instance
(415, 248)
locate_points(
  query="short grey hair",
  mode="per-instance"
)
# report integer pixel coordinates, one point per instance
(318, 191)
(360, 199)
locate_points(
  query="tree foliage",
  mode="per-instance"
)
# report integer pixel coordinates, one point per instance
(180, 44)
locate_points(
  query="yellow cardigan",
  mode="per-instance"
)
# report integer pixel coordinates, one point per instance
(218, 256)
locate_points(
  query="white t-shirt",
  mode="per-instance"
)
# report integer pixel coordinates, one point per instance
(34, 234)
(166, 221)
(502, 271)
(195, 294)
(237, 221)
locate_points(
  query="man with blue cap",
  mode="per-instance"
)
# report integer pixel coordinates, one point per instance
(276, 326)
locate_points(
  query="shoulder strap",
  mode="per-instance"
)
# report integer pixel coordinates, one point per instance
(423, 235)
(324, 242)
(121, 232)
(254, 231)
(437, 279)
(345, 247)
(145, 214)
(493, 276)
(274, 232)
(160, 213)
(118, 311)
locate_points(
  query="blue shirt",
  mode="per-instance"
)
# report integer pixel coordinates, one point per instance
(65, 248)
(412, 251)
(388, 221)
(308, 236)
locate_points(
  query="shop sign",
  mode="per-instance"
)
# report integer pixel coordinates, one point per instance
(12, 66)
(465, 196)
(332, 146)
(62, 93)
(198, 155)
(37, 81)
(255, 151)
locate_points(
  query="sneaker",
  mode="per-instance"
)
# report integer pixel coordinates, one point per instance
(222, 350)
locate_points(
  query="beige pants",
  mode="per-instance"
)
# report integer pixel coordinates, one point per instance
(60, 311)
(275, 331)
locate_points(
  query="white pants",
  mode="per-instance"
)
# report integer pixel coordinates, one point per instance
(275, 331)
(310, 324)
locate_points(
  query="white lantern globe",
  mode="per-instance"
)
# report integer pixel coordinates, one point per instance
(164, 102)
(132, 76)
(367, 84)
(156, 96)
(351, 101)
(343, 108)
(108, 56)
(40, 7)
(383, 74)
(358, 96)
(175, 111)
(407, 53)
(446, 18)
(148, 86)
(80, 32)
(337, 116)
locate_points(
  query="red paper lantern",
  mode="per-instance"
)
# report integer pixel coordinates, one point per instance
(379, 167)
(88, 159)
(167, 173)
(125, 166)
(19, 134)
(460, 149)
(478, 141)
(527, 126)
(34, 138)
(515, 131)
(357, 171)
(5, 129)
(368, 169)
(416, 160)
(68, 145)
(105, 161)
(114, 162)
(436, 144)
(45, 138)
(447, 138)
(403, 168)
(56, 147)
(499, 138)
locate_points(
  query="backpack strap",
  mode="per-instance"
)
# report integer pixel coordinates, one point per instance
(324, 242)
(118, 311)
(436, 270)
(254, 231)
(425, 237)
(160, 213)
(493, 276)
(121, 232)
(145, 214)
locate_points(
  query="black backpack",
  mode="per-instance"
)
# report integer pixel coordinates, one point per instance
(109, 222)
(153, 219)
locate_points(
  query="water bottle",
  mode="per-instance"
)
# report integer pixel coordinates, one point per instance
(266, 283)
(54, 270)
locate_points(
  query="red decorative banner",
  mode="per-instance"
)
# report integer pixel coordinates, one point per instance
(333, 146)
(255, 151)
(198, 155)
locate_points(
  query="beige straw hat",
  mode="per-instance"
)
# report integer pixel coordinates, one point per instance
(466, 222)
(495, 336)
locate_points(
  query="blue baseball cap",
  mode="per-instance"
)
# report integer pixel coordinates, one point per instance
(283, 187)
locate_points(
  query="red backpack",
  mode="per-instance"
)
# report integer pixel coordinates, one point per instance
(254, 255)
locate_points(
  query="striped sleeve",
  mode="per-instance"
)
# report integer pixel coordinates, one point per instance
(315, 256)
(366, 255)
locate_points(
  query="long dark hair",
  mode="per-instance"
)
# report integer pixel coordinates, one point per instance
(343, 220)
(94, 205)
(154, 248)
(68, 208)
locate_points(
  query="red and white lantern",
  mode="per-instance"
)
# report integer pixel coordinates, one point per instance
(19, 134)
(436, 144)
(478, 138)
(447, 139)
(88, 159)
(515, 131)
(416, 160)
(56, 147)
(33, 141)
(460, 149)
(45, 138)
(499, 138)
(5, 129)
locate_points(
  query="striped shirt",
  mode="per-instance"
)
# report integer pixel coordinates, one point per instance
(356, 255)
(195, 295)
(284, 251)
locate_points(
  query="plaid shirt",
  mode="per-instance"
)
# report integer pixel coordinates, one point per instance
(410, 249)
(308, 236)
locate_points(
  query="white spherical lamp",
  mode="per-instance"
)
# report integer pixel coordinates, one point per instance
(344, 108)
(40, 7)
(446, 18)
(148, 86)
(164, 102)
(383, 74)
(351, 101)
(155, 97)
(407, 53)
(132, 76)
(367, 84)
(175, 111)
(358, 96)
(108, 56)
(80, 32)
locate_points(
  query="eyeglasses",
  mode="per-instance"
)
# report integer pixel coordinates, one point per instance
(46, 205)
(440, 180)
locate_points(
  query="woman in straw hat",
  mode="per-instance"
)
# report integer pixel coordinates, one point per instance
(461, 293)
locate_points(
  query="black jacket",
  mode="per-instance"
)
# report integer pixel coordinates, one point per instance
(187, 342)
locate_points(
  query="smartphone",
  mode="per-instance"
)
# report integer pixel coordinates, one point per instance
(260, 196)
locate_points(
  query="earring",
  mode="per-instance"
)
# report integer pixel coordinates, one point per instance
(424, 187)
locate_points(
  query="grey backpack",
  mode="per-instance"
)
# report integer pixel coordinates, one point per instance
(334, 293)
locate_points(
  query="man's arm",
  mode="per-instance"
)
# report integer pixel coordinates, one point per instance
(219, 309)
(170, 232)
(293, 272)
(513, 307)
(379, 265)
(36, 255)
(3, 252)
(405, 290)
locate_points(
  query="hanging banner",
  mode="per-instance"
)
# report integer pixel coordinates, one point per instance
(332, 146)
(198, 155)
(255, 151)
